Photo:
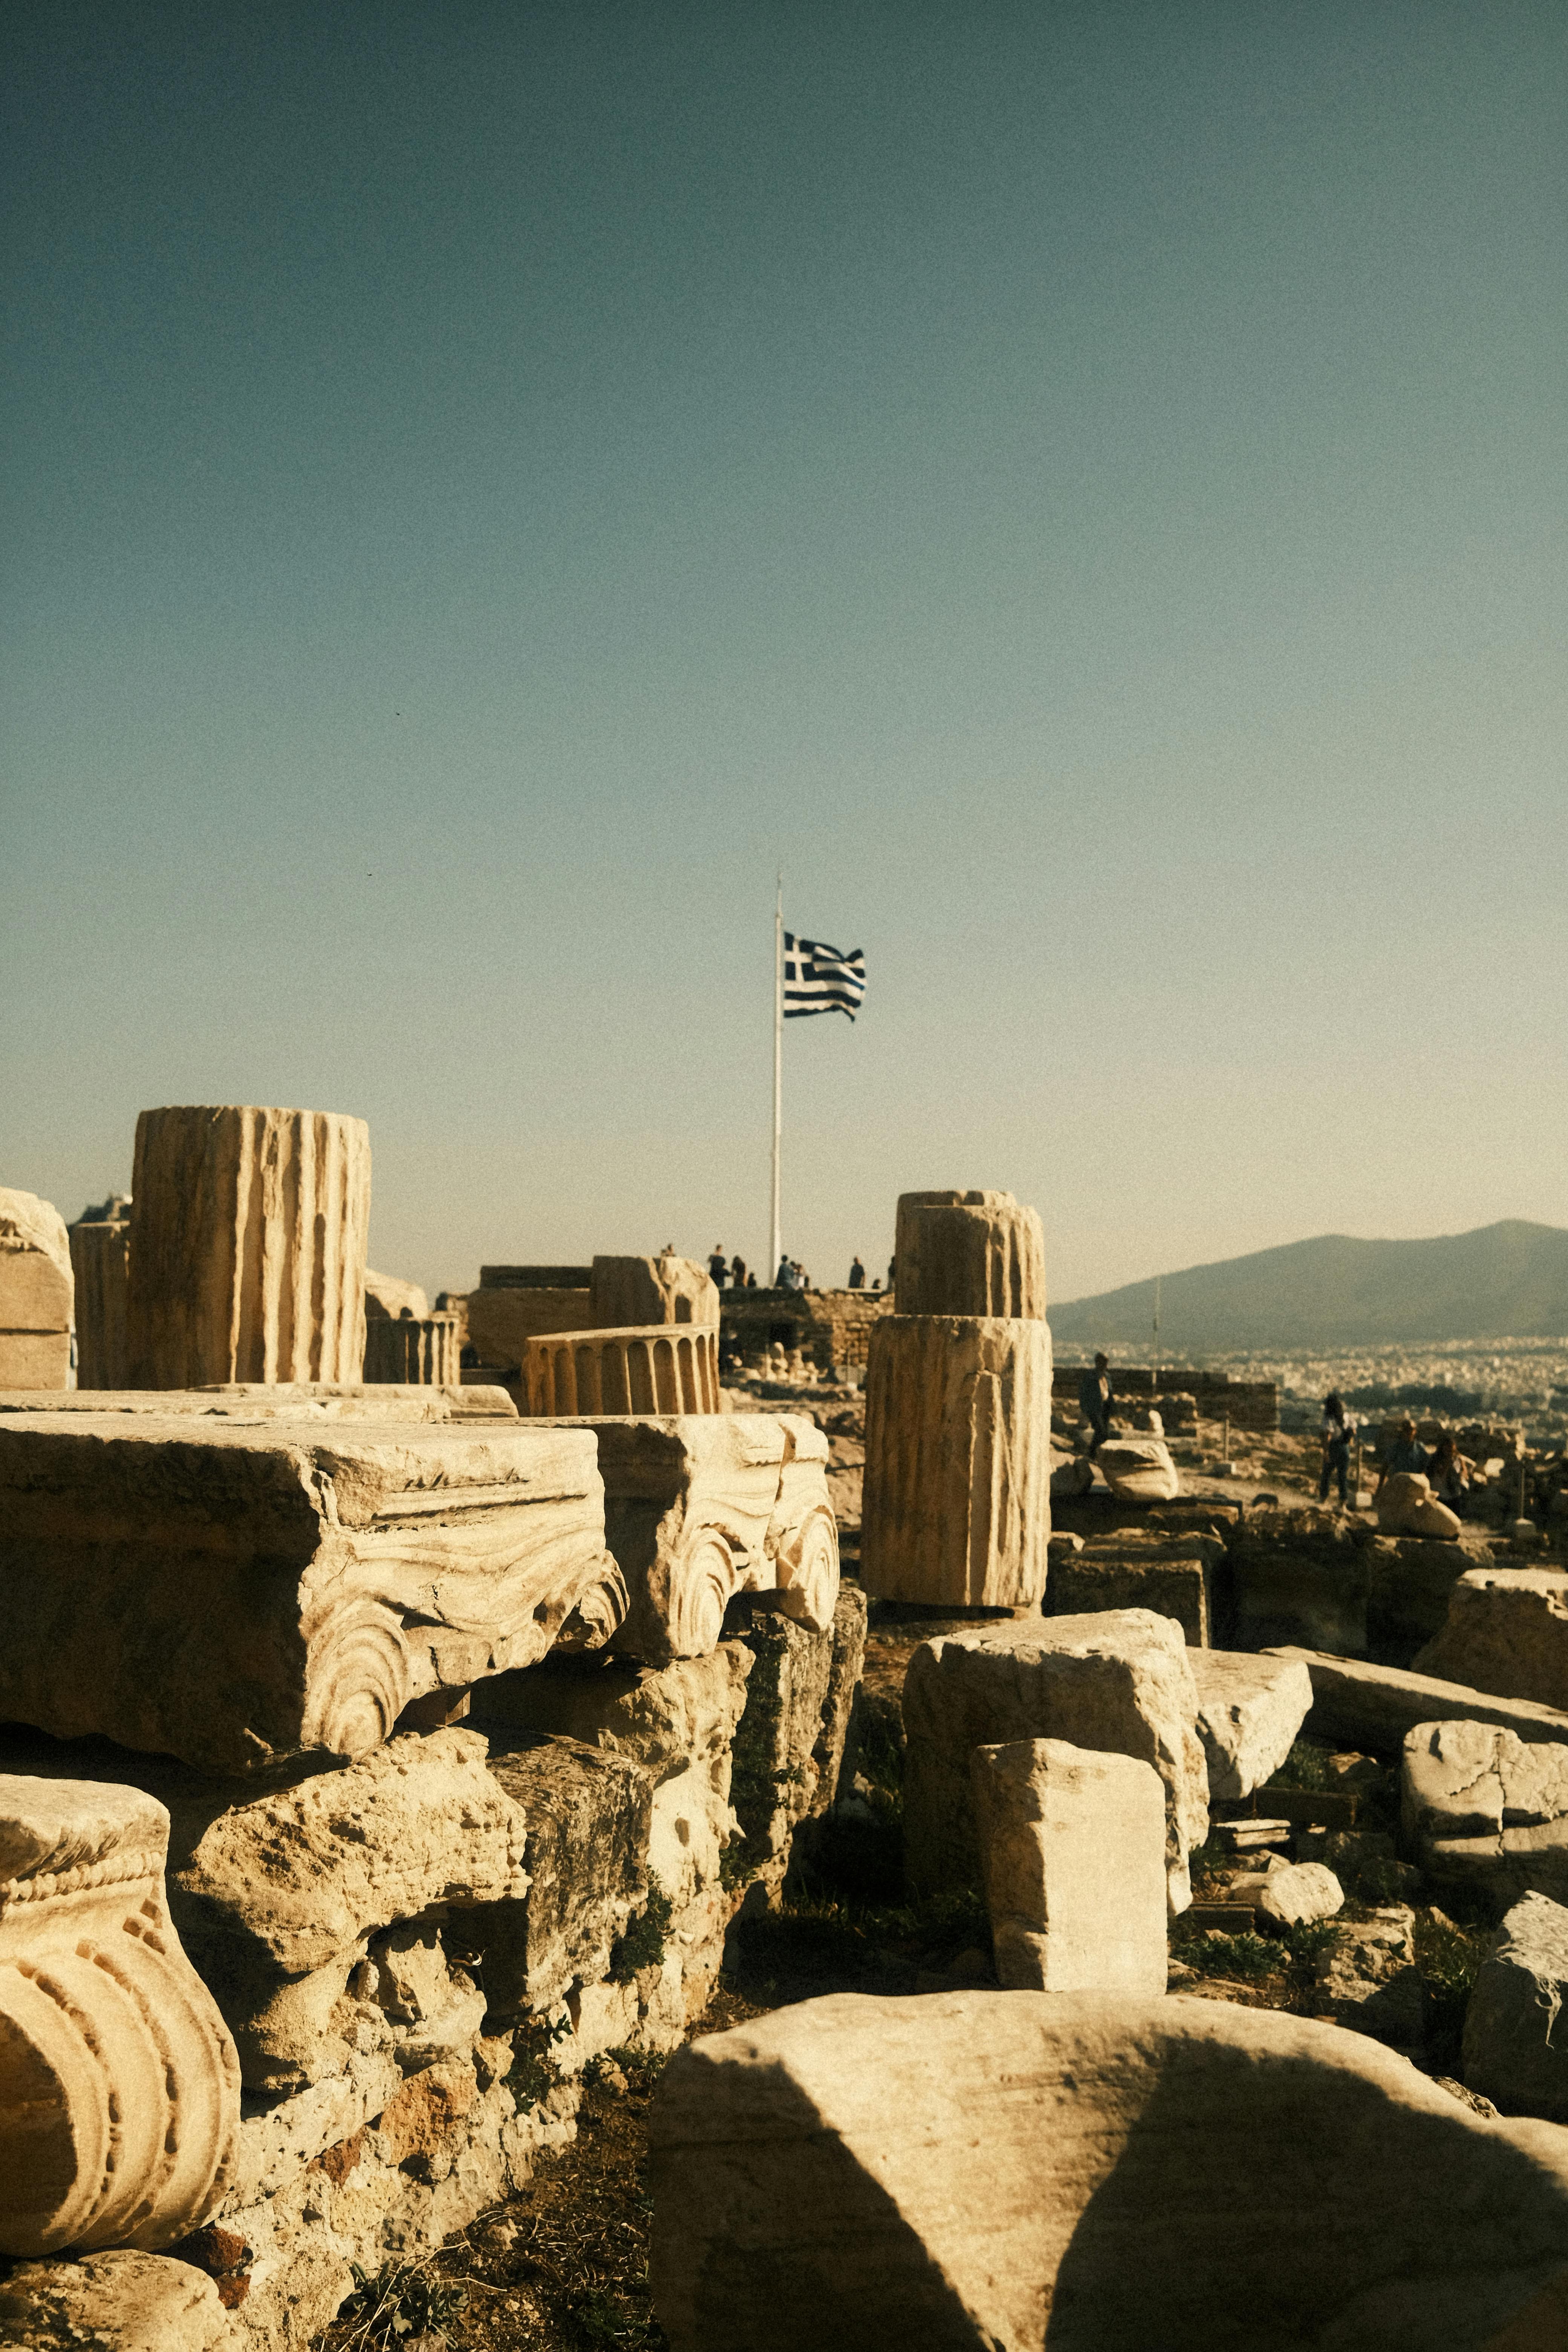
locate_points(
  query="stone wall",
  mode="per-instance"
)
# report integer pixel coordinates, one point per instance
(1250, 1404)
(831, 1327)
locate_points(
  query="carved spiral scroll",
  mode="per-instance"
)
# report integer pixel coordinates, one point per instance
(808, 1572)
(701, 1584)
(598, 1613)
(357, 1678)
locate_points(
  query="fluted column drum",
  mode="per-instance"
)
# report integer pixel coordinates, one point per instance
(969, 1253)
(652, 1368)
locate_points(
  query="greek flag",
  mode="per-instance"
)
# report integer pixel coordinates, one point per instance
(819, 979)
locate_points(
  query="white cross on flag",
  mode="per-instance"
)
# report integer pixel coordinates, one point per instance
(820, 978)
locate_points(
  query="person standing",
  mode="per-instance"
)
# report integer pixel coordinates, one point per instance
(857, 1275)
(719, 1267)
(1449, 1474)
(738, 1273)
(1405, 1452)
(1094, 1395)
(1339, 1428)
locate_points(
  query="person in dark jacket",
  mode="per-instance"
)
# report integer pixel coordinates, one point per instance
(1094, 1396)
(1339, 1428)
(857, 1276)
(1404, 1452)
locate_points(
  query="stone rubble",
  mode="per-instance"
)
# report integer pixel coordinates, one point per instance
(1072, 1849)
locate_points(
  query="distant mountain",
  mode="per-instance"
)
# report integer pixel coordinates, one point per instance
(1501, 1281)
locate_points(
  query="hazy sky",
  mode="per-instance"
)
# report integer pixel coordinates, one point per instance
(1082, 488)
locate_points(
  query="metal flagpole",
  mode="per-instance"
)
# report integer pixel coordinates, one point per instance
(775, 1249)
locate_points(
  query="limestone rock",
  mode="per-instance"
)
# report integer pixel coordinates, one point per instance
(247, 1246)
(1249, 1711)
(1506, 1631)
(590, 1818)
(1299, 1892)
(100, 1263)
(257, 1400)
(501, 1321)
(119, 2090)
(1368, 1707)
(1140, 1570)
(342, 1574)
(1072, 1848)
(1014, 2170)
(112, 2302)
(1365, 1976)
(1407, 1505)
(1071, 1473)
(1300, 1575)
(1117, 1682)
(957, 1504)
(627, 1290)
(37, 1293)
(1138, 1470)
(1515, 2051)
(970, 1254)
(700, 1506)
(790, 1741)
(1410, 1582)
(1485, 1811)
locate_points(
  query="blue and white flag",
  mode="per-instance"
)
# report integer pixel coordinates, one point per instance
(819, 979)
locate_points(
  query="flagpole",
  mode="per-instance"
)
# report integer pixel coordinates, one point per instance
(775, 1237)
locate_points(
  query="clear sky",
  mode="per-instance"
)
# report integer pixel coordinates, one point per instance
(1081, 488)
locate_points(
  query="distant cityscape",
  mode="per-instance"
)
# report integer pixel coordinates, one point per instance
(1522, 1381)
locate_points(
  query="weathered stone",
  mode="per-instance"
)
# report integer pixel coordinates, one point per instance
(790, 1741)
(247, 1246)
(1138, 1470)
(700, 1506)
(37, 1293)
(118, 2087)
(256, 1401)
(1506, 1631)
(1365, 1976)
(1071, 1473)
(1515, 2053)
(387, 1298)
(970, 1254)
(406, 1352)
(590, 1817)
(501, 1321)
(1014, 2170)
(1407, 1505)
(669, 1289)
(957, 1503)
(641, 1368)
(112, 2302)
(1360, 1705)
(1299, 1892)
(1116, 1683)
(1072, 1847)
(100, 1263)
(1410, 1581)
(1167, 1574)
(341, 1575)
(1300, 1576)
(1249, 1711)
(1485, 1811)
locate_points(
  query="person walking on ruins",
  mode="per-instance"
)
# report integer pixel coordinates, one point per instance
(1339, 1428)
(1406, 1453)
(1094, 1395)
(857, 1275)
(719, 1267)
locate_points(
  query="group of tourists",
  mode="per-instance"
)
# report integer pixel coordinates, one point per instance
(1444, 1467)
(729, 1274)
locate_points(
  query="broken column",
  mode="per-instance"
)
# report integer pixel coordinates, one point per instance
(957, 1482)
(643, 1370)
(236, 1593)
(37, 1292)
(969, 1253)
(101, 1261)
(247, 1246)
(1072, 1849)
(668, 1289)
(120, 2088)
(405, 1351)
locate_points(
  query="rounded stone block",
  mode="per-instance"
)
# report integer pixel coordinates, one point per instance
(247, 1248)
(37, 1293)
(969, 1253)
(958, 1461)
(644, 1369)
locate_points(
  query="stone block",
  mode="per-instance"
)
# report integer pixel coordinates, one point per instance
(500, 1322)
(970, 1254)
(1249, 1711)
(1299, 1576)
(341, 1575)
(1484, 1811)
(1138, 1470)
(646, 1369)
(1515, 2051)
(640, 1290)
(1298, 1893)
(590, 1818)
(100, 1262)
(37, 1293)
(1365, 1976)
(1072, 1847)
(1506, 1631)
(121, 2301)
(1169, 1576)
(1117, 1682)
(1355, 1704)
(120, 2089)
(699, 1507)
(790, 1741)
(257, 1400)
(1017, 2169)
(247, 1246)
(1410, 1582)
(957, 1501)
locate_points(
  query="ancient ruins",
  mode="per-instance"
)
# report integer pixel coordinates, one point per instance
(416, 1720)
